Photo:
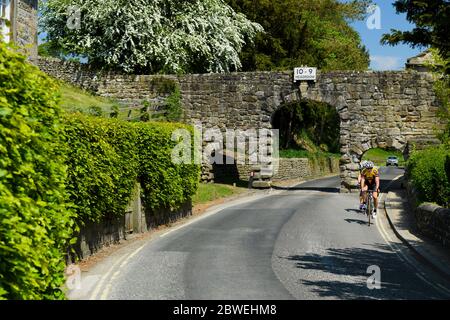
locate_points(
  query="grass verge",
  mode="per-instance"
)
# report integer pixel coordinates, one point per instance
(212, 191)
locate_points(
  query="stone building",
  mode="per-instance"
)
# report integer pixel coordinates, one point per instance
(22, 25)
(421, 62)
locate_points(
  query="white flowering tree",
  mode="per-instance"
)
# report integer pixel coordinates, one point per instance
(169, 36)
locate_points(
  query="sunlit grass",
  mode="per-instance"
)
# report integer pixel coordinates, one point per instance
(379, 156)
(211, 191)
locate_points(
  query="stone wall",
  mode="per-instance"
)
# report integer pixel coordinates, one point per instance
(434, 222)
(377, 109)
(288, 169)
(25, 25)
(431, 220)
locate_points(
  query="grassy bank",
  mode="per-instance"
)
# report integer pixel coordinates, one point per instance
(293, 153)
(76, 99)
(379, 156)
(212, 191)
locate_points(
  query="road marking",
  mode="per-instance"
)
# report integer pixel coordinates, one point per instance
(105, 293)
(100, 283)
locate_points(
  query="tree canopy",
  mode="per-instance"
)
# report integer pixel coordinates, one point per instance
(143, 36)
(432, 24)
(304, 32)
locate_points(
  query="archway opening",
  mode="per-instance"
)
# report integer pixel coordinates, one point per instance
(385, 157)
(307, 128)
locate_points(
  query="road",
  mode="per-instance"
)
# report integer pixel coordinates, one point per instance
(308, 242)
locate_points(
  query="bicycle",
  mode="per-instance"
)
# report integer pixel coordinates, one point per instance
(369, 204)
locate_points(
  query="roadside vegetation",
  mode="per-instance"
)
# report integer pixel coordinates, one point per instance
(429, 169)
(212, 191)
(61, 170)
(74, 99)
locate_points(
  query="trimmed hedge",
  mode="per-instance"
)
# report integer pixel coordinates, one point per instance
(102, 166)
(58, 172)
(427, 170)
(165, 184)
(107, 156)
(35, 223)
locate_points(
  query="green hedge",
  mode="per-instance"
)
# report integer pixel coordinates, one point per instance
(427, 170)
(107, 156)
(35, 222)
(57, 174)
(165, 184)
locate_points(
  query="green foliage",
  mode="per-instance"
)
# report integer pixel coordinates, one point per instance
(379, 156)
(102, 166)
(304, 32)
(151, 36)
(173, 107)
(427, 169)
(296, 153)
(165, 184)
(211, 191)
(442, 90)
(36, 224)
(308, 124)
(432, 20)
(107, 156)
(172, 110)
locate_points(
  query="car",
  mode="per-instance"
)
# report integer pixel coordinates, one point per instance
(392, 161)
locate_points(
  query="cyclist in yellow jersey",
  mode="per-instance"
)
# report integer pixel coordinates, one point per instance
(370, 180)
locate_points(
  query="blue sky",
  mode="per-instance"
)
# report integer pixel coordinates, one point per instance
(385, 57)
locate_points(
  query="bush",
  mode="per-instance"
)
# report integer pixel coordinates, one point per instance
(107, 156)
(165, 184)
(35, 222)
(427, 170)
(102, 161)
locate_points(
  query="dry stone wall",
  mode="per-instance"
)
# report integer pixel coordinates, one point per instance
(377, 109)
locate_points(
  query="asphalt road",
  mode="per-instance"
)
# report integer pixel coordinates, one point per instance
(308, 242)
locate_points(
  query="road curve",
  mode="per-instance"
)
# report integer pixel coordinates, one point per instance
(308, 242)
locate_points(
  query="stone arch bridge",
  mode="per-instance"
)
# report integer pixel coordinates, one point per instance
(376, 109)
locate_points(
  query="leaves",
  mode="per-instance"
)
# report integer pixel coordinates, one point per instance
(304, 32)
(35, 221)
(150, 36)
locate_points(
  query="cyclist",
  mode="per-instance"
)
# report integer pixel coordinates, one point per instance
(361, 197)
(370, 180)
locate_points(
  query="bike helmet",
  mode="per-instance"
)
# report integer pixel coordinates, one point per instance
(369, 165)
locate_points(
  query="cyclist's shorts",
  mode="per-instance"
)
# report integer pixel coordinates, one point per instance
(371, 185)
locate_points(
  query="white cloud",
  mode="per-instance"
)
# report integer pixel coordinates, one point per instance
(385, 63)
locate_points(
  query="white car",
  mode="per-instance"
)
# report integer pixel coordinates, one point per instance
(392, 161)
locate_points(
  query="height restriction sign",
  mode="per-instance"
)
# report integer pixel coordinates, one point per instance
(305, 74)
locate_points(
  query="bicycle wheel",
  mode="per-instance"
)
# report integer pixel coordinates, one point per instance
(369, 209)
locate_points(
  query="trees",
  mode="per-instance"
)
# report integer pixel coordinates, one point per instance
(304, 32)
(432, 20)
(143, 36)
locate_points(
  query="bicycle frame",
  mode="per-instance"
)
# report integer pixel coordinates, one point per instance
(369, 204)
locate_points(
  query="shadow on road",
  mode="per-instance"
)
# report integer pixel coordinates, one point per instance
(350, 265)
(321, 189)
(360, 222)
